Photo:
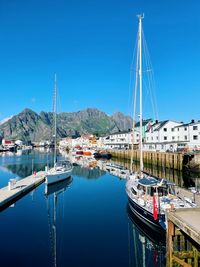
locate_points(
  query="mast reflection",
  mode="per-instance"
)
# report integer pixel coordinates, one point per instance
(146, 247)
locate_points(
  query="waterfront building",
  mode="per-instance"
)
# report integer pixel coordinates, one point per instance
(161, 136)
(173, 136)
(188, 135)
(146, 125)
(121, 139)
(194, 135)
(8, 143)
(87, 140)
(19, 143)
(124, 139)
(65, 142)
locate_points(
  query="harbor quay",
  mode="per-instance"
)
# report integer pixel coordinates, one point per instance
(16, 189)
(176, 161)
(183, 238)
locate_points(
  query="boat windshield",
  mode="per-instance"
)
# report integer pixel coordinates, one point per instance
(148, 181)
(63, 164)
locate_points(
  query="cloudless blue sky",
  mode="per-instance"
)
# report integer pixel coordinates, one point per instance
(90, 45)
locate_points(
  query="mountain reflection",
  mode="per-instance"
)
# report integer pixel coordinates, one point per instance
(88, 173)
(24, 170)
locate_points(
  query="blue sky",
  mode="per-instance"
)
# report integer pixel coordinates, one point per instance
(90, 45)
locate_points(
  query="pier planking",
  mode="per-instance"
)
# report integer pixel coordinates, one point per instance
(21, 187)
(183, 238)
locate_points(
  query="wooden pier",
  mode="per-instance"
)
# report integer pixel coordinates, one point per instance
(20, 188)
(176, 161)
(183, 238)
(167, 160)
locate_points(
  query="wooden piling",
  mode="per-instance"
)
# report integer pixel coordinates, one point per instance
(183, 237)
(166, 160)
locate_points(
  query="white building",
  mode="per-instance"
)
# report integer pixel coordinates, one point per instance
(173, 136)
(162, 136)
(120, 139)
(124, 139)
(194, 135)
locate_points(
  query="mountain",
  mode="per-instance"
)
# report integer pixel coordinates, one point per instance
(123, 122)
(30, 126)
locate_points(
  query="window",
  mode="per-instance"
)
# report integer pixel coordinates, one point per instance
(172, 129)
(173, 137)
(165, 129)
(195, 127)
(195, 137)
(147, 138)
(165, 137)
(178, 129)
(157, 137)
(185, 129)
(152, 138)
(185, 137)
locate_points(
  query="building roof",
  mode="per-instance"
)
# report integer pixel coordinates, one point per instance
(144, 122)
(182, 125)
(161, 124)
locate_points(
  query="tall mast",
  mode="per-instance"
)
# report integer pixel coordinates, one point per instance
(55, 122)
(134, 103)
(140, 17)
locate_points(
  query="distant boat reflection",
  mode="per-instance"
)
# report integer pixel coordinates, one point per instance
(55, 207)
(147, 248)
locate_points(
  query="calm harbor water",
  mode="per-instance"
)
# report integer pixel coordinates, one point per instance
(84, 222)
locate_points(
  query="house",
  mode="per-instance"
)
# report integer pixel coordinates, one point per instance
(194, 135)
(146, 125)
(119, 139)
(124, 139)
(173, 136)
(161, 136)
(8, 144)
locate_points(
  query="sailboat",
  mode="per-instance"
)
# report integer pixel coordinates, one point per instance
(53, 194)
(61, 170)
(150, 197)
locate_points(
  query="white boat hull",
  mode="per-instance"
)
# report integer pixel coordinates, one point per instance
(57, 176)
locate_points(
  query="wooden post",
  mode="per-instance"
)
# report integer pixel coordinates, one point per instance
(170, 234)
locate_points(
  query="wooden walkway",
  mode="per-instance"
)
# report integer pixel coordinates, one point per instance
(20, 188)
(183, 237)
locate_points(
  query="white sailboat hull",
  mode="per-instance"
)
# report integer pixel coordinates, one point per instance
(54, 176)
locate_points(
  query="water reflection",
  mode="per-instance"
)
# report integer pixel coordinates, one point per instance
(183, 178)
(88, 173)
(54, 194)
(146, 247)
(24, 163)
